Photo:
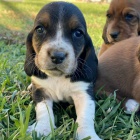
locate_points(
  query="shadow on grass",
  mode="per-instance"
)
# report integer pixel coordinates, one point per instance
(10, 35)
(17, 20)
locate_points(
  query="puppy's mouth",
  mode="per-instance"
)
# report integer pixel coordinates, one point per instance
(113, 41)
(56, 71)
(53, 71)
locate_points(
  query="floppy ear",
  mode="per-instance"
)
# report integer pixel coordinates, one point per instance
(104, 34)
(87, 64)
(138, 24)
(29, 65)
(138, 53)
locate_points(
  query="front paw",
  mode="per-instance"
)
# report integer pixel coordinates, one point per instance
(131, 106)
(40, 127)
(87, 132)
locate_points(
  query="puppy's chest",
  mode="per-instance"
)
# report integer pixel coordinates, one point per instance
(60, 88)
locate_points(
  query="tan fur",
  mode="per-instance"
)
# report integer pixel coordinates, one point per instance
(104, 48)
(119, 69)
(117, 22)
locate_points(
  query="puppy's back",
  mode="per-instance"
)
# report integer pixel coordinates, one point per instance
(119, 66)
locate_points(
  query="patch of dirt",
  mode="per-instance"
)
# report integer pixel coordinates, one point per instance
(13, 37)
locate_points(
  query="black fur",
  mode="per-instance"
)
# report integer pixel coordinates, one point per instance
(38, 95)
(88, 67)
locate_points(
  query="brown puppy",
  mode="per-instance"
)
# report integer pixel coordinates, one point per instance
(123, 21)
(119, 69)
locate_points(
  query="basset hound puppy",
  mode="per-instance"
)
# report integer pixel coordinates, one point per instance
(123, 21)
(119, 69)
(61, 61)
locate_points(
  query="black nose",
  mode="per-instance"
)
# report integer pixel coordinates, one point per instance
(114, 35)
(58, 57)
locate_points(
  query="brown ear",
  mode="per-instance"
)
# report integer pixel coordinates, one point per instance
(104, 34)
(138, 24)
(138, 53)
(29, 65)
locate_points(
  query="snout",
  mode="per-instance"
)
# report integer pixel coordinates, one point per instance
(114, 34)
(55, 60)
(58, 57)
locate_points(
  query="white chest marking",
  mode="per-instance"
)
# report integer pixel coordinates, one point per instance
(60, 88)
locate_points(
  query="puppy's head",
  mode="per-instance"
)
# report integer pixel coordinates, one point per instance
(123, 20)
(56, 42)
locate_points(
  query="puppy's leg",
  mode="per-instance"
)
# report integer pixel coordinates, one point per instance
(85, 109)
(44, 114)
(44, 118)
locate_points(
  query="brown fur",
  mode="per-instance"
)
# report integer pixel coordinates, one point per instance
(123, 18)
(119, 69)
(104, 48)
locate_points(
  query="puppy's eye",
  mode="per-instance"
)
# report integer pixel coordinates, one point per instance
(78, 33)
(108, 15)
(40, 29)
(129, 17)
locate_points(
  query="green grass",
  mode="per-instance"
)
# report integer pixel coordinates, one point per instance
(16, 107)
(19, 17)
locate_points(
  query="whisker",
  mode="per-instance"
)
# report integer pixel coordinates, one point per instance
(84, 63)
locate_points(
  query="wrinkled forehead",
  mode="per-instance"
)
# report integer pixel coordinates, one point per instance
(60, 12)
(119, 5)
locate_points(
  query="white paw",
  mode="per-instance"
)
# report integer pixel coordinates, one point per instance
(87, 132)
(40, 127)
(131, 106)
